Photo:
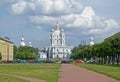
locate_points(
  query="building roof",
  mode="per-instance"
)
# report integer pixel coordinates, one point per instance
(6, 40)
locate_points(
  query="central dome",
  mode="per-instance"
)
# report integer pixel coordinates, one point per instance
(57, 32)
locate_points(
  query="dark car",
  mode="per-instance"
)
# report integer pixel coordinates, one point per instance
(65, 61)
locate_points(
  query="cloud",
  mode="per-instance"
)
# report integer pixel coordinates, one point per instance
(89, 22)
(39, 27)
(44, 20)
(22, 7)
(111, 23)
(47, 7)
(86, 18)
(86, 22)
(19, 8)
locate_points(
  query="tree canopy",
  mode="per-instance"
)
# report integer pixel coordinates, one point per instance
(26, 52)
(106, 52)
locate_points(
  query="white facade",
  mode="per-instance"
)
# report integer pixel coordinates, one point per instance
(57, 48)
(42, 55)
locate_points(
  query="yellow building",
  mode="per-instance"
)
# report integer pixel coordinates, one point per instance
(6, 49)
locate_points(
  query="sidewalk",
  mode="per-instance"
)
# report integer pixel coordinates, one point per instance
(72, 73)
(30, 79)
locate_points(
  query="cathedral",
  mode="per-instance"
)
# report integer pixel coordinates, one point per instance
(57, 48)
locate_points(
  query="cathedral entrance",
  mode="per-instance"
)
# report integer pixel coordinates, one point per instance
(57, 56)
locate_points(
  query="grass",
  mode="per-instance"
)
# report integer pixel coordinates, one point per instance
(10, 79)
(48, 72)
(109, 70)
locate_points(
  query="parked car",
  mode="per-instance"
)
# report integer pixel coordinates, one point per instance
(79, 61)
(65, 61)
(36, 61)
(90, 61)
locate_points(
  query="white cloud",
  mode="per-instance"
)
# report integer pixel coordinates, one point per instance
(47, 7)
(94, 31)
(19, 8)
(39, 27)
(71, 12)
(87, 21)
(111, 23)
(42, 19)
(84, 19)
(76, 5)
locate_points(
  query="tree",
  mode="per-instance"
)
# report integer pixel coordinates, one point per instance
(20, 55)
(106, 52)
(28, 49)
(27, 53)
(15, 51)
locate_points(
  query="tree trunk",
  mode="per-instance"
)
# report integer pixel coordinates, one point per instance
(109, 58)
(105, 59)
(113, 60)
(118, 57)
(99, 60)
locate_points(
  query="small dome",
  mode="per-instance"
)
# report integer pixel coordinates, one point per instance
(52, 30)
(22, 38)
(92, 43)
(30, 44)
(91, 38)
(22, 44)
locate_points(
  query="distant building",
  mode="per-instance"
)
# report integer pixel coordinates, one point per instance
(42, 55)
(6, 49)
(57, 48)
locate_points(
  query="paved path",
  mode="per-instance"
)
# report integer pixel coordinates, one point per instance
(72, 73)
(30, 79)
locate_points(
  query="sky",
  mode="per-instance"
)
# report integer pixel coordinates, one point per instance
(80, 19)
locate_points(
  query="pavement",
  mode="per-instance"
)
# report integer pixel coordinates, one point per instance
(29, 79)
(72, 73)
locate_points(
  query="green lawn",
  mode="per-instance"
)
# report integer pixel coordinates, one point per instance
(10, 79)
(48, 72)
(109, 70)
